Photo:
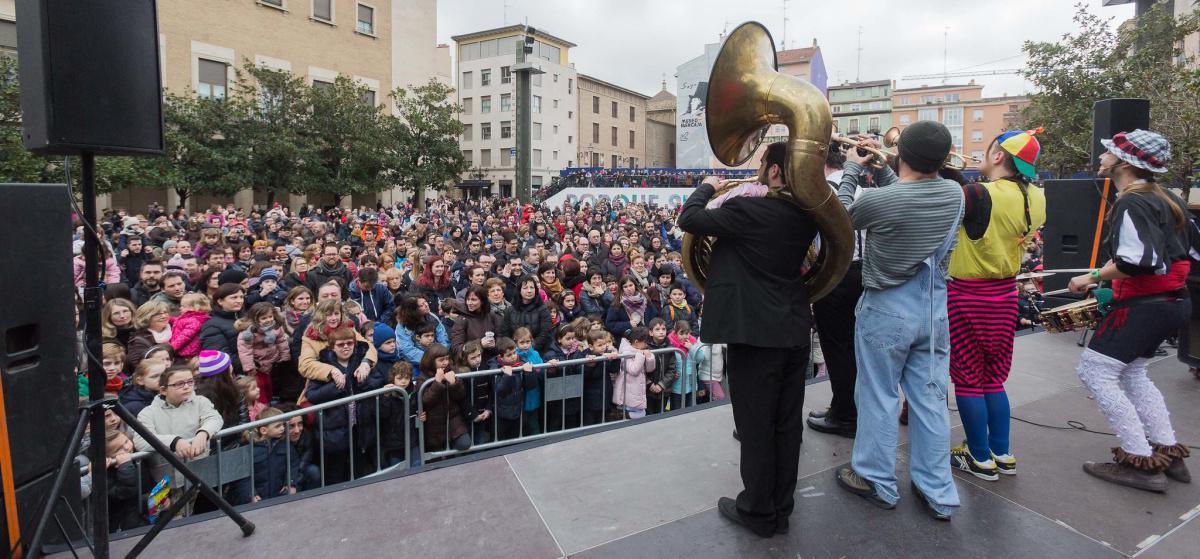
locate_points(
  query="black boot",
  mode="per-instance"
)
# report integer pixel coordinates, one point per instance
(1174, 454)
(828, 424)
(1138, 472)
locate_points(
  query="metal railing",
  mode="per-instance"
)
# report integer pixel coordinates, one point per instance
(564, 388)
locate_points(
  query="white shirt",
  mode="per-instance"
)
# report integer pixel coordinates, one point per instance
(860, 237)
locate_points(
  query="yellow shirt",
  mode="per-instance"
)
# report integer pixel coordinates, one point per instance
(999, 252)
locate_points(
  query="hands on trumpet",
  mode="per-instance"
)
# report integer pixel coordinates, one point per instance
(865, 151)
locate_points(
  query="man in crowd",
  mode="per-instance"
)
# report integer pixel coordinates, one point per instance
(150, 282)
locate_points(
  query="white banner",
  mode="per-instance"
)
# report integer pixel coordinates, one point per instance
(668, 197)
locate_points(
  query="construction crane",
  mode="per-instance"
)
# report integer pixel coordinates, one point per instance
(945, 75)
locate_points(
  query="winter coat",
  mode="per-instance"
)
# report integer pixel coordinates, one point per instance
(409, 350)
(534, 316)
(435, 296)
(533, 394)
(293, 280)
(473, 326)
(337, 419)
(629, 390)
(665, 373)
(310, 365)
(260, 351)
(275, 297)
(443, 413)
(597, 377)
(708, 362)
(185, 333)
(689, 376)
(510, 389)
(140, 294)
(112, 273)
(320, 275)
(275, 462)
(124, 498)
(672, 315)
(218, 333)
(139, 343)
(135, 398)
(616, 320)
(395, 420)
(170, 424)
(377, 303)
(592, 305)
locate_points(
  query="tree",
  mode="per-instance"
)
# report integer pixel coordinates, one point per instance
(16, 163)
(425, 139)
(282, 152)
(347, 129)
(1143, 59)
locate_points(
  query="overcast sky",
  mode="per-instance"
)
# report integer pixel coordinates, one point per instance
(632, 43)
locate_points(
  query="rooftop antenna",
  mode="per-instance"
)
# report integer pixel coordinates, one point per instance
(945, 54)
(505, 12)
(858, 65)
(783, 43)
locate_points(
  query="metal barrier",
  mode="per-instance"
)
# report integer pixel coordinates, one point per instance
(561, 390)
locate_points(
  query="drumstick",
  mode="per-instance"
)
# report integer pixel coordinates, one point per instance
(1067, 271)
(1066, 290)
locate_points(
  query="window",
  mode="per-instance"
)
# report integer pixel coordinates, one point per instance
(570, 115)
(614, 135)
(368, 98)
(536, 133)
(570, 84)
(319, 85)
(570, 139)
(977, 115)
(632, 114)
(506, 157)
(536, 80)
(213, 79)
(556, 103)
(485, 77)
(631, 136)
(952, 97)
(595, 160)
(595, 104)
(467, 156)
(506, 129)
(537, 158)
(485, 131)
(595, 132)
(926, 99)
(505, 74)
(535, 105)
(554, 155)
(485, 157)
(322, 10)
(855, 107)
(905, 100)
(977, 154)
(276, 3)
(366, 20)
(505, 102)
(873, 125)
(977, 135)
(904, 119)
(837, 108)
(614, 109)
(875, 105)
(614, 161)
(853, 128)
(952, 116)
(485, 104)
(466, 80)
(467, 105)
(468, 132)
(927, 114)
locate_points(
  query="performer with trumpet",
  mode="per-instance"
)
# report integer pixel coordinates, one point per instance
(901, 333)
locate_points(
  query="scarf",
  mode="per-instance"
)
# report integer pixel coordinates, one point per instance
(593, 291)
(618, 261)
(161, 337)
(634, 304)
(553, 288)
(321, 332)
(643, 278)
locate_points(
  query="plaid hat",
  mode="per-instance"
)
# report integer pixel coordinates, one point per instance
(1142, 149)
(213, 362)
(268, 273)
(1023, 148)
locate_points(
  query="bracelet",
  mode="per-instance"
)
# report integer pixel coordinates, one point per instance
(1095, 274)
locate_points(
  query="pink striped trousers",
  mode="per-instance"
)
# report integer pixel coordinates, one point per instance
(983, 316)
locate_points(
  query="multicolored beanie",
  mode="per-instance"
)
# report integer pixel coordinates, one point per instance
(1023, 148)
(213, 362)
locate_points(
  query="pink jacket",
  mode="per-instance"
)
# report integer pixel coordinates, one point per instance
(678, 343)
(112, 272)
(258, 355)
(629, 389)
(185, 333)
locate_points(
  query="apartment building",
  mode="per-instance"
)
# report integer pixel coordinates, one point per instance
(612, 125)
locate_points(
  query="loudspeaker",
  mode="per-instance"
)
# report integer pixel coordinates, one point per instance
(90, 77)
(38, 343)
(1116, 115)
(1072, 211)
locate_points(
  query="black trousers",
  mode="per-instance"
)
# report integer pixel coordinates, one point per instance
(834, 318)
(766, 387)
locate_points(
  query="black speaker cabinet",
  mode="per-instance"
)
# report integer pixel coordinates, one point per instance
(1072, 210)
(1116, 115)
(90, 76)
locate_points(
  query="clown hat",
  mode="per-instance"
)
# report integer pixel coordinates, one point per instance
(1023, 148)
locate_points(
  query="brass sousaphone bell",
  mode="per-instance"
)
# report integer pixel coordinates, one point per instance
(746, 95)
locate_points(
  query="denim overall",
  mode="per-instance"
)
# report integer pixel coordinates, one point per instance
(902, 337)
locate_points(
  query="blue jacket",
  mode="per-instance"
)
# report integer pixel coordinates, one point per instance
(271, 467)
(410, 351)
(337, 419)
(377, 303)
(533, 396)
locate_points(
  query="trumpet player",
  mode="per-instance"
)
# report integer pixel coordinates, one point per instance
(901, 336)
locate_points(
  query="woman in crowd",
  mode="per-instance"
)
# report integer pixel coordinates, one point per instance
(210, 279)
(477, 321)
(410, 315)
(550, 284)
(594, 296)
(218, 332)
(326, 318)
(153, 327)
(434, 282)
(616, 264)
(296, 306)
(495, 296)
(529, 311)
(639, 272)
(116, 321)
(394, 278)
(629, 310)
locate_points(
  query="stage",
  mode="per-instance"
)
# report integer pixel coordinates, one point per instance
(650, 490)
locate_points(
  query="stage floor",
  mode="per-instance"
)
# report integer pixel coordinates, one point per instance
(650, 490)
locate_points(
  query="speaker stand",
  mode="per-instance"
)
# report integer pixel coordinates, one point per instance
(91, 414)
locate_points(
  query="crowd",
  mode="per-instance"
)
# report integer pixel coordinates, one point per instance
(634, 178)
(217, 318)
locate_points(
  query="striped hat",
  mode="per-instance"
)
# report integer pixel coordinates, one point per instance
(1142, 149)
(1023, 148)
(213, 362)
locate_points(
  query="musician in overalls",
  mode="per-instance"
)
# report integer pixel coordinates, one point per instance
(902, 336)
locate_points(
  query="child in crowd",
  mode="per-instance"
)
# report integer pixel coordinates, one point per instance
(124, 496)
(534, 382)
(162, 352)
(262, 344)
(182, 421)
(709, 361)
(276, 462)
(267, 290)
(597, 375)
(354, 311)
(352, 422)
(676, 308)
(515, 378)
(629, 390)
(664, 373)
(681, 338)
(394, 419)
(424, 337)
(185, 328)
(143, 385)
(443, 400)
(112, 359)
(565, 408)
(248, 388)
(481, 410)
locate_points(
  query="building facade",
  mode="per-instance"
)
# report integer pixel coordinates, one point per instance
(862, 108)
(486, 90)
(612, 125)
(806, 63)
(8, 27)
(660, 129)
(974, 121)
(1191, 43)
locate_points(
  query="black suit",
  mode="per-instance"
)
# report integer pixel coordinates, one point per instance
(756, 302)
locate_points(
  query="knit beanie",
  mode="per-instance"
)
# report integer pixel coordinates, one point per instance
(268, 273)
(1023, 148)
(925, 145)
(231, 276)
(169, 244)
(383, 333)
(213, 362)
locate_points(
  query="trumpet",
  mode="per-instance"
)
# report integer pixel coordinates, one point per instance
(877, 162)
(956, 161)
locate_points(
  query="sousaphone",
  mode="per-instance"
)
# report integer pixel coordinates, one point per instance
(746, 95)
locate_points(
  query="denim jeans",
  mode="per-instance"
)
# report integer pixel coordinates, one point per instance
(902, 339)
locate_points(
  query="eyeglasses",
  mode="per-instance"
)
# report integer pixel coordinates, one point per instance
(182, 384)
(347, 343)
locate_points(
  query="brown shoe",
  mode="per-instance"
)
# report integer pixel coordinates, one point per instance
(1139, 472)
(1175, 454)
